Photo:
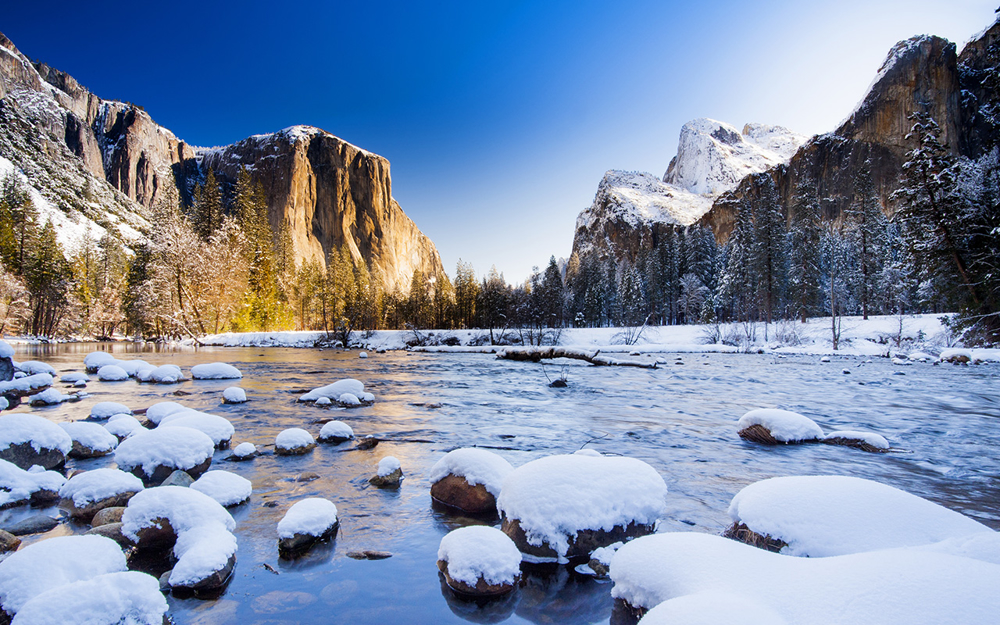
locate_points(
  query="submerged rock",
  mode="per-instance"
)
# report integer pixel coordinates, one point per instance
(36, 524)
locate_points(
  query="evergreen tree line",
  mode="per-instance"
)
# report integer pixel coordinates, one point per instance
(219, 265)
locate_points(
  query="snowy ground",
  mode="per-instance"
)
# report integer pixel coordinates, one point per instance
(876, 336)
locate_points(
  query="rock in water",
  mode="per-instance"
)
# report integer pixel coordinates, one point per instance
(389, 475)
(8, 542)
(36, 524)
(306, 523)
(479, 561)
(469, 480)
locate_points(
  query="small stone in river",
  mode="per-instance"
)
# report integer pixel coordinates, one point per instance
(306, 477)
(390, 473)
(367, 442)
(369, 554)
(108, 515)
(846, 371)
(560, 383)
(178, 478)
(293, 442)
(36, 524)
(234, 395)
(8, 542)
(324, 401)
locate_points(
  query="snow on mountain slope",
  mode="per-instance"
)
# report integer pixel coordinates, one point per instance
(636, 198)
(712, 156)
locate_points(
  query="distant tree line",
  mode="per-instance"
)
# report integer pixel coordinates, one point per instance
(218, 265)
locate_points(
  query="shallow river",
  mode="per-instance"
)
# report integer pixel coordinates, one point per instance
(680, 418)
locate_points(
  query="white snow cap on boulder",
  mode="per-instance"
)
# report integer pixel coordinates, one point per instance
(388, 465)
(480, 552)
(157, 411)
(174, 447)
(335, 430)
(112, 373)
(836, 515)
(39, 432)
(293, 438)
(335, 390)
(712, 608)
(123, 598)
(6, 351)
(31, 367)
(106, 409)
(555, 498)
(123, 425)
(18, 485)
(226, 488)
(785, 426)
(477, 466)
(95, 360)
(55, 562)
(219, 429)
(164, 374)
(215, 371)
(234, 395)
(309, 517)
(91, 486)
(90, 436)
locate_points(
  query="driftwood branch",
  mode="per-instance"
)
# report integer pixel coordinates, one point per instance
(537, 354)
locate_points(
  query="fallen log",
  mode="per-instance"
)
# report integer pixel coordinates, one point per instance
(537, 354)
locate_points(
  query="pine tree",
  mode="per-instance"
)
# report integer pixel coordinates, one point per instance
(466, 294)
(738, 284)
(208, 206)
(48, 278)
(805, 275)
(18, 213)
(866, 226)
(768, 249)
(494, 297)
(262, 308)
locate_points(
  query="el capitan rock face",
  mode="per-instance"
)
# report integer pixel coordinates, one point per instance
(105, 163)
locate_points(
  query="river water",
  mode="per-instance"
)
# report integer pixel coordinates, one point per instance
(680, 418)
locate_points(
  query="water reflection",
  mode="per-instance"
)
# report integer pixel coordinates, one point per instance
(482, 609)
(679, 419)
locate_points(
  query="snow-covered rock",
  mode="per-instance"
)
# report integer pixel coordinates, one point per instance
(348, 400)
(234, 395)
(293, 441)
(31, 367)
(25, 384)
(334, 392)
(111, 373)
(563, 507)
(773, 426)
(164, 374)
(836, 515)
(335, 432)
(27, 439)
(49, 397)
(90, 440)
(389, 473)
(105, 409)
(6, 349)
(219, 429)
(123, 598)
(87, 493)
(323, 401)
(157, 411)
(900, 586)
(198, 528)
(74, 378)
(955, 355)
(133, 367)
(363, 355)
(244, 451)
(479, 561)
(95, 360)
(469, 479)
(49, 564)
(19, 486)
(306, 522)
(226, 488)
(215, 371)
(868, 441)
(154, 454)
(123, 425)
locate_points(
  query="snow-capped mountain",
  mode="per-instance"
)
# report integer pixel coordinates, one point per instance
(712, 157)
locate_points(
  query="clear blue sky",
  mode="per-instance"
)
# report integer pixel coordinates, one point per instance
(499, 118)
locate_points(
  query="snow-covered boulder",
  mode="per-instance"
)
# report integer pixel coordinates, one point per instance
(133, 367)
(50, 564)
(323, 401)
(6, 361)
(74, 378)
(95, 360)
(865, 441)
(90, 440)
(226, 488)
(27, 440)
(50, 397)
(32, 367)
(87, 493)
(469, 480)
(244, 451)
(363, 355)
(219, 429)
(771, 426)
(353, 389)
(122, 426)
(335, 432)
(307, 522)
(900, 586)
(197, 527)
(157, 411)
(111, 373)
(565, 507)
(293, 442)
(479, 561)
(215, 371)
(106, 409)
(123, 598)
(234, 395)
(164, 374)
(25, 385)
(836, 515)
(154, 454)
(956, 355)
(18, 486)
(389, 473)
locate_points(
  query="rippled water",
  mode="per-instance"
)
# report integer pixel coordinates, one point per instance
(680, 419)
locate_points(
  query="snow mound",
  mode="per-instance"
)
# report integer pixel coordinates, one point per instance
(836, 515)
(293, 438)
(388, 465)
(91, 486)
(106, 409)
(234, 395)
(712, 608)
(49, 564)
(310, 517)
(20, 428)
(26, 384)
(6, 351)
(33, 367)
(335, 430)
(226, 488)
(785, 426)
(477, 466)
(18, 485)
(174, 447)
(133, 367)
(49, 397)
(111, 373)
(90, 436)
(123, 598)
(157, 411)
(348, 399)
(74, 378)
(215, 371)
(164, 374)
(335, 390)
(95, 360)
(479, 552)
(244, 450)
(554, 498)
(219, 429)
(955, 354)
(123, 425)
(892, 586)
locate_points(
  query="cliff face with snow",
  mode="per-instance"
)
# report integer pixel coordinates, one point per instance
(100, 165)
(632, 209)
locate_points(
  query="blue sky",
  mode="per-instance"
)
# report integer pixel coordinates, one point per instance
(499, 118)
